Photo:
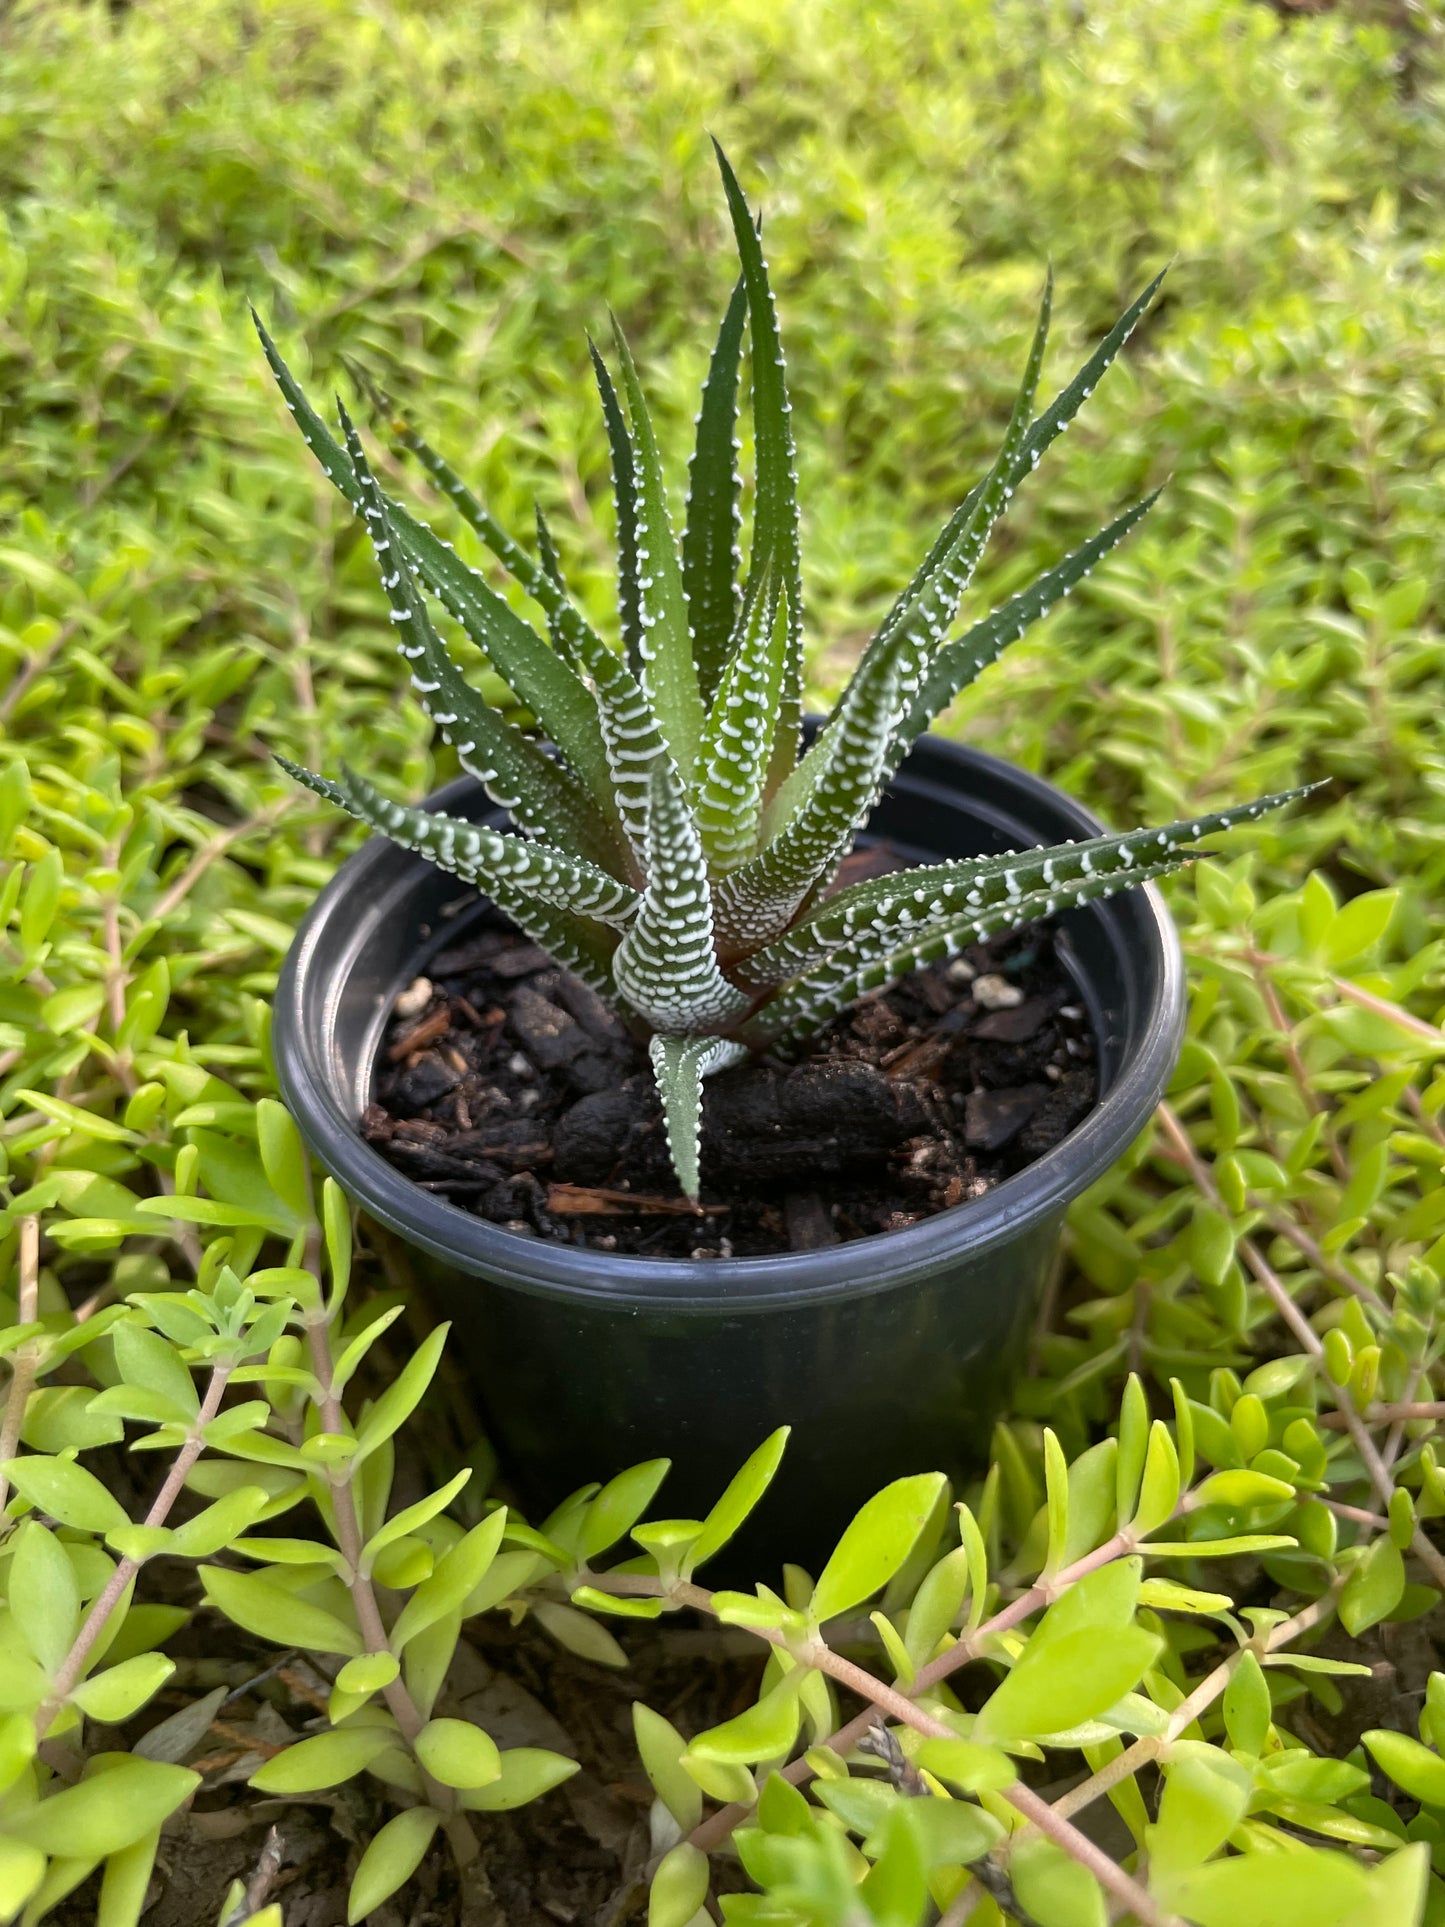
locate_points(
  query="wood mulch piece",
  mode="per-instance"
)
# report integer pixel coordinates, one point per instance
(512, 1090)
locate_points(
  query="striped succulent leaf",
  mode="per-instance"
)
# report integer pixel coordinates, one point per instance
(756, 902)
(711, 555)
(572, 636)
(666, 965)
(624, 497)
(776, 539)
(917, 628)
(389, 416)
(802, 1007)
(736, 742)
(871, 918)
(668, 673)
(1043, 432)
(675, 853)
(581, 942)
(558, 628)
(629, 731)
(956, 664)
(630, 736)
(847, 780)
(488, 858)
(543, 796)
(633, 739)
(680, 1064)
(538, 677)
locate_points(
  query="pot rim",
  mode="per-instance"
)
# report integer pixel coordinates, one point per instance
(301, 1036)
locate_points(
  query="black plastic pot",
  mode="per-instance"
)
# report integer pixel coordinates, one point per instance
(889, 1355)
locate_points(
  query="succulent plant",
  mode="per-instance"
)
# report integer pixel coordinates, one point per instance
(677, 839)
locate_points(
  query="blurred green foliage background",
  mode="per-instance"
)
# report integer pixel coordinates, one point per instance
(454, 194)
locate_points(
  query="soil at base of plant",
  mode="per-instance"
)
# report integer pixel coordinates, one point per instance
(509, 1088)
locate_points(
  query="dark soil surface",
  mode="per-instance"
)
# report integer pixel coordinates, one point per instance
(512, 1090)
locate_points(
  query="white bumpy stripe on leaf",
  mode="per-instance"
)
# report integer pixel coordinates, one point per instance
(736, 744)
(624, 496)
(479, 855)
(669, 675)
(634, 742)
(877, 931)
(544, 797)
(538, 676)
(680, 1064)
(775, 511)
(665, 965)
(904, 901)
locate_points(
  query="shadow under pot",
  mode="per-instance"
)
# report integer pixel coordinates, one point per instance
(888, 1355)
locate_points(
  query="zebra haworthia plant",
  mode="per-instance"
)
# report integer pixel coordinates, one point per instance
(677, 842)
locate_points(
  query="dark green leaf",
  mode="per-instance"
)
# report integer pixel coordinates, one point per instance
(710, 532)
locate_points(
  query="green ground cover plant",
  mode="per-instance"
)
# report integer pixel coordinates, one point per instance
(1173, 1657)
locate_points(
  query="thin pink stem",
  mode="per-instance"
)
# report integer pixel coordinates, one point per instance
(68, 1677)
(1423, 1548)
(25, 1358)
(404, 1709)
(1401, 1414)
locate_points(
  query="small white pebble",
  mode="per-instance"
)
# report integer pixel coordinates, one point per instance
(1074, 1012)
(519, 1065)
(996, 993)
(960, 971)
(414, 998)
(528, 1098)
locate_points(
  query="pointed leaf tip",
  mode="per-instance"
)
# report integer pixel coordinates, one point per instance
(680, 1064)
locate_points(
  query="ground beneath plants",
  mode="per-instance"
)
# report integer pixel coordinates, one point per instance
(579, 1854)
(511, 1089)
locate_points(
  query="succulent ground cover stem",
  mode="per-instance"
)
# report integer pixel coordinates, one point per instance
(1406, 1413)
(712, 1831)
(899, 1705)
(368, 1614)
(1201, 1697)
(127, 1568)
(1421, 1544)
(1367, 1000)
(23, 1361)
